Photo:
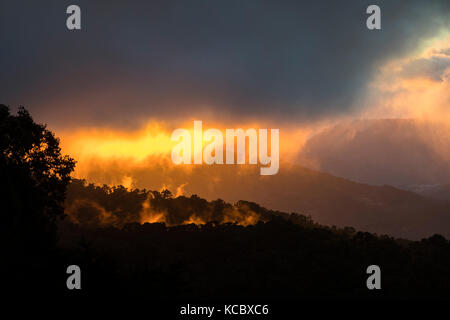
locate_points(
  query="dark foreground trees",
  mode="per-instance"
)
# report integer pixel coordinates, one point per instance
(272, 260)
(33, 180)
(282, 256)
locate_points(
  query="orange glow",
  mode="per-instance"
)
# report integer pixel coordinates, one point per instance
(148, 214)
(194, 220)
(93, 147)
(108, 143)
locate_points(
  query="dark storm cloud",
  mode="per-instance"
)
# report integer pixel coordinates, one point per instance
(134, 59)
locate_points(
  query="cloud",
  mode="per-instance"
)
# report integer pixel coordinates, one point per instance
(434, 68)
(397, 152)
(445, 51)
(296, 60)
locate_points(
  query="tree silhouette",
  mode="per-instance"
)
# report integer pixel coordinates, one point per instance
(34, 176)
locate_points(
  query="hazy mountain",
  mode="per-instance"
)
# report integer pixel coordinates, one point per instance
(336, 201)
(436, 191)
(328, 199)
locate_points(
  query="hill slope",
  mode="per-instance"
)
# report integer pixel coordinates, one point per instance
(327, 199)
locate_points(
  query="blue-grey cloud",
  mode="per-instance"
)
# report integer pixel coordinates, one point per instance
(433, 68)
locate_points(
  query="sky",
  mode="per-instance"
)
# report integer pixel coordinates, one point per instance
(136, 60)
(114, 90)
